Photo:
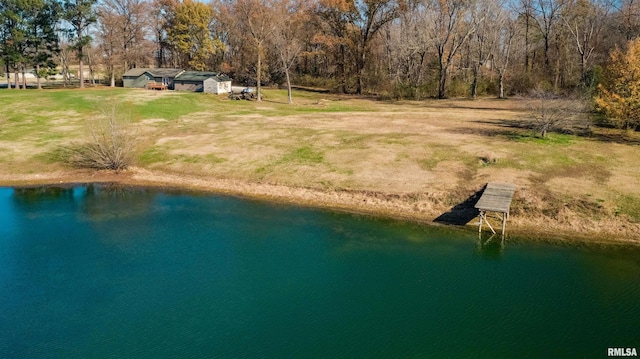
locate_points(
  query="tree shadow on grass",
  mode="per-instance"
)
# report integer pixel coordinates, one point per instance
(617, 137)
(493, 128)
(462, 213)
(524, 129)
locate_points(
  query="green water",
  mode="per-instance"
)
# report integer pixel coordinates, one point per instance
(106, 272)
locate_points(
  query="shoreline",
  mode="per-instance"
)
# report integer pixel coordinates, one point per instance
(378, 204)
(419, 161)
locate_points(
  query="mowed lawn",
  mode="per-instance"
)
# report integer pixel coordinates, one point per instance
(440, 150)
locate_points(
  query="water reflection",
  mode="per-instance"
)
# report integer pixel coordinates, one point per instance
(491, 247)
(104, 271)
(102, 202)
(93, 202)
(29, 196)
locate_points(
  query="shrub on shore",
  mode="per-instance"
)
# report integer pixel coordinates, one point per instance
(110, 143)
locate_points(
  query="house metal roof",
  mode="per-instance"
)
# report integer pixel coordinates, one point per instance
(165, 72)
(156, 72)
(135, 72)
(201, 76)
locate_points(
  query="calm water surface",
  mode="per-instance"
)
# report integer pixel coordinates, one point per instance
(96, 271)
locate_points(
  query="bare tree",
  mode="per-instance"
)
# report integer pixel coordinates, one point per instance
(550, 112)
(585, 20)
(410, 43)
(92, 53)
(80, 15)
(450, 30)
(484, 15)
(123, 28)
(108, 42)
(548, 15)
(252, 20)
(133, 30)
(351, 26)
(627, 18)
(64, 59)
(371, 16)
(161, 18)
(286, 36)
(503, 49)
(526, 14)
(334, 35)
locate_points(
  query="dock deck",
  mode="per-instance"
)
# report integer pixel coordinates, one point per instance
(495, 198)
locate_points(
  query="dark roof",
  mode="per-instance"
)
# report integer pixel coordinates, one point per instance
(165, 72)
(135, 72)
(201, 76)
(157, 72)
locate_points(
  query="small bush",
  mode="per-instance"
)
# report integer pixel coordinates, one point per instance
(458, 87)
(487, 159)
(313, 81)
(110, 144)
(521, 84)
(400, 90)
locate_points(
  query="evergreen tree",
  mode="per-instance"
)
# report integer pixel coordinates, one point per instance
(41, 38)
(12, 37)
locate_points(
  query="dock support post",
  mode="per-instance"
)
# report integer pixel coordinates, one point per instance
(505, 215)
(484, 219)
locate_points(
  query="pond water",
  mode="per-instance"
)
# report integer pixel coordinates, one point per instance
(109, 272)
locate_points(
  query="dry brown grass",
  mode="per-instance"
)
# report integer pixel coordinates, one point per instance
(409, 159)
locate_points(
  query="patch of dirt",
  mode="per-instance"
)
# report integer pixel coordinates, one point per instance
(577, 186)
(597, 173)
(625, 182)
(520, 178)
(143, 95)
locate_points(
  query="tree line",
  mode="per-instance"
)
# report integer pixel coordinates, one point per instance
(410, 49)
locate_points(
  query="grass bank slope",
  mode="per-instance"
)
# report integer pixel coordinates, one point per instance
(420, 160)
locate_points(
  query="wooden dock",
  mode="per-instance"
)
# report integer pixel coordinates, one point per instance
(495, 198)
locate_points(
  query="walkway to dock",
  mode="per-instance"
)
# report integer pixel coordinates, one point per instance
(495, 198)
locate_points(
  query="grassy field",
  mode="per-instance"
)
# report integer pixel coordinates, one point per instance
(416, 159)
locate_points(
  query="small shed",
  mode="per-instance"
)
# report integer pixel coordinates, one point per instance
(198, 81)
(139, 77)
